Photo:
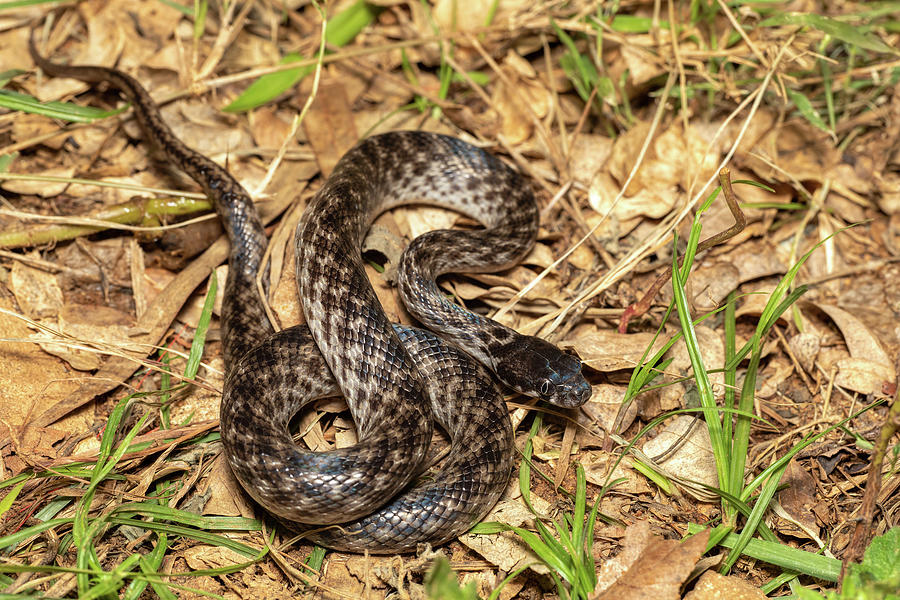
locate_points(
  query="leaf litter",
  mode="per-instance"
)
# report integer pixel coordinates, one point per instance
(617, 173)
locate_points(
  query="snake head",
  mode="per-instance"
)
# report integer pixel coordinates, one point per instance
(537, 368)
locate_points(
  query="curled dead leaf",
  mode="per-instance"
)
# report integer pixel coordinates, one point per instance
(869, 366)
(607, 350)
(684, 449)
(649, 566)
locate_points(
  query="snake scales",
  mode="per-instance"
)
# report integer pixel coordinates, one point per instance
(396, 380)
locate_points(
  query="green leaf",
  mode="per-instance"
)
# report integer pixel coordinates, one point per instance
(578, 68)
(806, 109)
(441, 583)
(635, 24)
(5, 76)
(345, 26)
(270, 86)
(878, 576)
(6, 160)
(339, 31)
(9, 498)
(187, 11)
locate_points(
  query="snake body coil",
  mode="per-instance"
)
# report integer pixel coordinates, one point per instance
(395, 379)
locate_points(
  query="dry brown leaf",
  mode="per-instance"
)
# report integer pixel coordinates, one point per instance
(653, 403)
(869, 366)
(641, 65)
(889, 200)
(587, 156)
(329, 125)
(37, 291)
(519, 98)
(777, 371)
(285, 301)
(713, 586)
(596, 470)
(756, 260)
(624, 155)
(754, 297)
(654, 202)
(211, 557)
(605, 404)
(267, 127)
(649, 567)
(89, 323)
(608, 350)
(805, 347)
(684, 157)
(31, 381)
(712, 350)
(413, 221)
(26, 127)
(469, 16)
(540, 256)
(864, 375)
(45, 189)
(355, 576)
(34, 443)
(798, 499)
(193, 307)
(683, 448)
(710, 284)
(507, 550)
(226, 497)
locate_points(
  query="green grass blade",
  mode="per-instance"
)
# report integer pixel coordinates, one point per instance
(753, 521)
(193, 362)
(190, 533)
(786, 557)
(851, 34)
(8, 75)
(10, 497)
(200, 10)
(269, 87)
(525, 465)
(20, 3)
(551, 558)
(12, 539)
(701, 377)
(580, 506)
(166, 513)
(150, 565)
(65, 111)
(730, 375)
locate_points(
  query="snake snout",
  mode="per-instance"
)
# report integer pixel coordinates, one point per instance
(576, 392)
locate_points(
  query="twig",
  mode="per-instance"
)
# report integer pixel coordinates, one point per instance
(862, 532)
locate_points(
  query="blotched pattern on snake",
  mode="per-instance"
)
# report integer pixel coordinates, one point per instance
(396, 380)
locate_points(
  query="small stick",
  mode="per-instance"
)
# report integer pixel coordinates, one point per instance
(862, 532)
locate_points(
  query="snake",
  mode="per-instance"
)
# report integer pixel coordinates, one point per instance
(376, 495)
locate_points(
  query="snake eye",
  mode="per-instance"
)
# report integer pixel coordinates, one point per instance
(545, 387)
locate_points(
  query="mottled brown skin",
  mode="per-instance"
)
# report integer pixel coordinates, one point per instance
(395, 379)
